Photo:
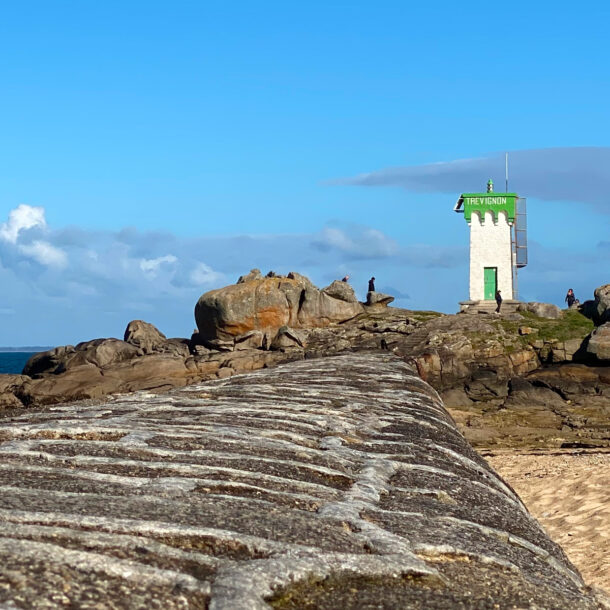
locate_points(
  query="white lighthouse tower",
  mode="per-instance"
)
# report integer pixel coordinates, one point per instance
(498, 246)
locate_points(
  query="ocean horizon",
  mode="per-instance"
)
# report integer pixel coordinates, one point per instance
(12, 362)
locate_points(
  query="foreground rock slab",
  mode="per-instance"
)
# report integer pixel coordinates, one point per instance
(337, 482)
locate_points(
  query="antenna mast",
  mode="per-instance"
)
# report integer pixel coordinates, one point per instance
(506, 166)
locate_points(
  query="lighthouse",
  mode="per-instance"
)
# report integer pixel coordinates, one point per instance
(498, 246)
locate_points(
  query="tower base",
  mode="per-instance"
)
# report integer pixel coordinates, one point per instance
(508, 306)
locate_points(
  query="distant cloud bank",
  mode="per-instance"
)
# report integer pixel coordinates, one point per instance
(573, 174)
(78, 276)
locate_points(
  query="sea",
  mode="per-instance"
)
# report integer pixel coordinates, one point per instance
(13, 362)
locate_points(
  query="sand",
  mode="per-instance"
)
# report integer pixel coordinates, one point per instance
(569, 494)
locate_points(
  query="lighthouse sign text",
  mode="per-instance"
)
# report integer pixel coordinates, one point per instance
(495, 202)
(485, 200)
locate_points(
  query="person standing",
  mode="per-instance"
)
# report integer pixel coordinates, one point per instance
(570, 298)
(372, 284)
(498, 301)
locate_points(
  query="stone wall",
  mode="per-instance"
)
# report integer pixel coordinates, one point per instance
(335, 482)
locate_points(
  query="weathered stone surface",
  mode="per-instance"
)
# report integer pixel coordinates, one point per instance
(250, 340)
(12, 386)
(144, 335)
(342, 291)
(270, 303)
(378, 298)
(599, 342)
(473, 360)
(99, 352)
(602, 303)
(47, 362)
(81, 381)
(286, 338)
(301, 279)
(543, 310)
(558, 406)
(333, 483)
(255, 274)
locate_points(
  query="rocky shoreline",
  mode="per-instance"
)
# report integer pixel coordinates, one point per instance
(538, 377)
(181, 476)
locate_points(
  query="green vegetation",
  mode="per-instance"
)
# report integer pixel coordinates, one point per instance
(573, 325)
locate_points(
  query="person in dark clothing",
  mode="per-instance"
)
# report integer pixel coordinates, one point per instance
(372, 284)
(570, 298)
(345, 278)
(498, 301)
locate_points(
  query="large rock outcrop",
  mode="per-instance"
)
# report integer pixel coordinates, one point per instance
(333, 483)
(602, 303)
(491, 370)
(599, 343)
(542, 310)
(267, 304)
(146, 360)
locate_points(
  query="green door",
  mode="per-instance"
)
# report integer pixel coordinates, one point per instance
(490, 278)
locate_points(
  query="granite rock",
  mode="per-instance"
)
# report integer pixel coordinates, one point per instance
(598, 345)
(269, 303)
(333, 483)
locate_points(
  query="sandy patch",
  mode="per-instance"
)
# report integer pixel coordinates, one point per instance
(569, 494)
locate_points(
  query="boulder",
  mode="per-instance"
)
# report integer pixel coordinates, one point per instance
(99, 352)
(80, 382)
(319, 309)
(11, 387)
(267, 304)
(287, 337)
(303, 280)
(342, 291)
(144, 335)
(86, 380)
(156, 371)
(255, 274)
(378, 298)
(542, 310)
(599, 342)
(250, 340)
(486, 385)
(176, 347)
(602, 303)
(47, 362)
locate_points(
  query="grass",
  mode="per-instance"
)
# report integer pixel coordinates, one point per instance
(573, 325)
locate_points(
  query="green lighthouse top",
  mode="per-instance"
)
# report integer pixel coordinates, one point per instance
(489, 201)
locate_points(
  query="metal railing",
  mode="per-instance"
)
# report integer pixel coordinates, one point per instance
(520, 232)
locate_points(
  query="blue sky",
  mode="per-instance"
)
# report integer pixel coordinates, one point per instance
(159, 150)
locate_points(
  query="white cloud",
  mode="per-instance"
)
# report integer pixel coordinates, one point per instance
(91, 283)
(150, 266)
(45, 254)
(336, 238)
(23, 217)
(204, 275)
(359, 243)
